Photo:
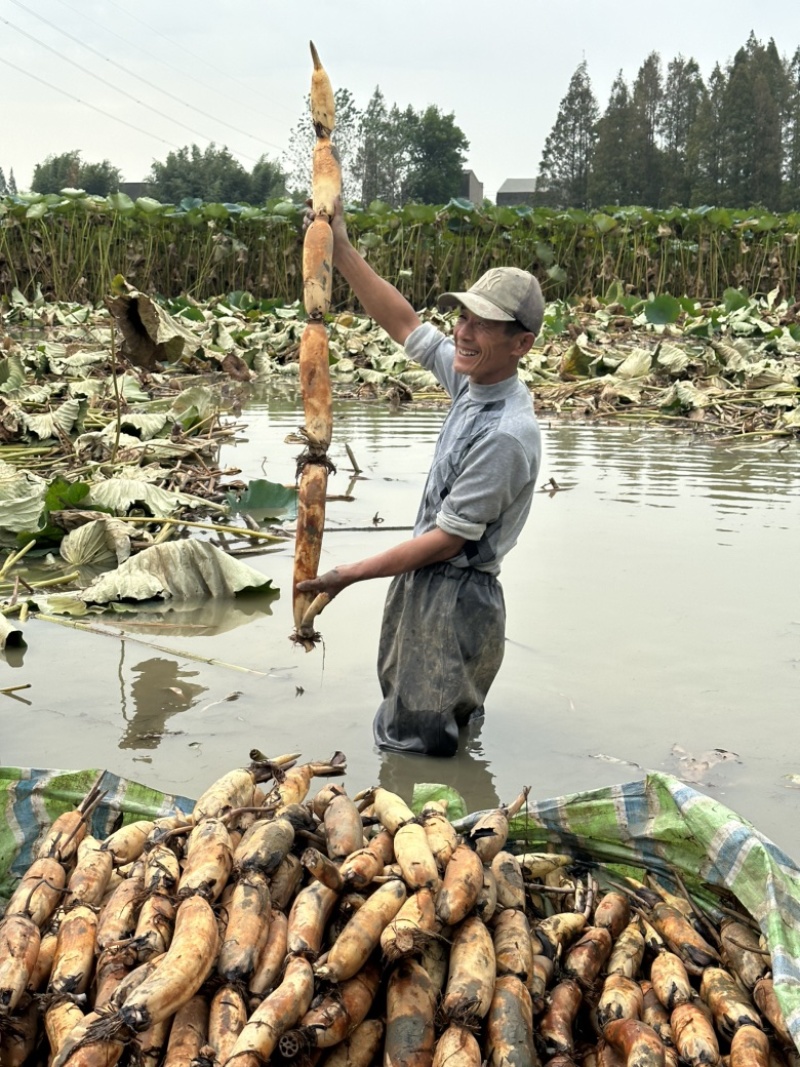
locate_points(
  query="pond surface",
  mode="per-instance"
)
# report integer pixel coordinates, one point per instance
(653, 623)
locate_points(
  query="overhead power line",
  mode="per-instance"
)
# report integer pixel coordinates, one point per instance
(111, 85)
(133, 74)
(183, 48)
(240, 101)
(94, 107)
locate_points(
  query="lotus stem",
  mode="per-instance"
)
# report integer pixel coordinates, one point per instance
(238, 531)
(15, 557)
(63, 579)
(352, 458)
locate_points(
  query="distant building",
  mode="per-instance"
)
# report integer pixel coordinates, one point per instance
(134, 189)
(471, 188)
(517, 191)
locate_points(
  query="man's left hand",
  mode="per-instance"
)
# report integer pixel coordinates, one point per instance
(332, 582)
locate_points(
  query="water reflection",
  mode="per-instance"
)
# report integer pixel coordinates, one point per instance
(660, 468)
(159, 691)
(468, 772)
(14, 655)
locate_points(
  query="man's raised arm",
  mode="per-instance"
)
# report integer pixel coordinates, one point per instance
(381, 301)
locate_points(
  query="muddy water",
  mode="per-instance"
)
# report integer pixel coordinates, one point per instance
(653, 623)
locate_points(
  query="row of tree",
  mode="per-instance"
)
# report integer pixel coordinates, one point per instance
(673, 138)
(211, 174)
(8, 187)
(387, 153)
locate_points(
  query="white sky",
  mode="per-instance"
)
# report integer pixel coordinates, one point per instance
(501, 68)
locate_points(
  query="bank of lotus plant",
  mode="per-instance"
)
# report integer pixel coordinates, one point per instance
(71, 244)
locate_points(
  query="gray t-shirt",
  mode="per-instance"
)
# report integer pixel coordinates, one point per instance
(484, 468)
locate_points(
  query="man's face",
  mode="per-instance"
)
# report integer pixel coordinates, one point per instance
(486, 351)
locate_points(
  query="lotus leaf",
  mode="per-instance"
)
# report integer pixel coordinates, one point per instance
(77, 363)
(121, 202)
(735, 357)
(12, 374)
(637, 364)
(743, 327)
(54, 423)
(86, 387)
(193, 405)
(184, 570)
(662, 310)
(98, 541)
(121, 494)
(683, 396)
(786, 345)
(130, 389)
(264, 500)
(577, 362)
(145, 425)
(373, 377)
(64, 494)
(557, 274)
(35, 394)
(622, 390)
(421, 380)
(673, 357)
(22, 495)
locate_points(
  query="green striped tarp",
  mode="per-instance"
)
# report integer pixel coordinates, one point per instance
(31, 799)
(661, 825)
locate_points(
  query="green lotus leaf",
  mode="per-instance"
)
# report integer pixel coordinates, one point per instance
(545, 253)
(64, 494)
(735, 300)
(604, 223)
(263, 500)
(662, 310)
(148, 206)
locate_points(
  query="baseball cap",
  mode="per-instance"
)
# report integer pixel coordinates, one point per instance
(504, 294)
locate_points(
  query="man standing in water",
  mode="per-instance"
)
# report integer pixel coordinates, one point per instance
(443, 632)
